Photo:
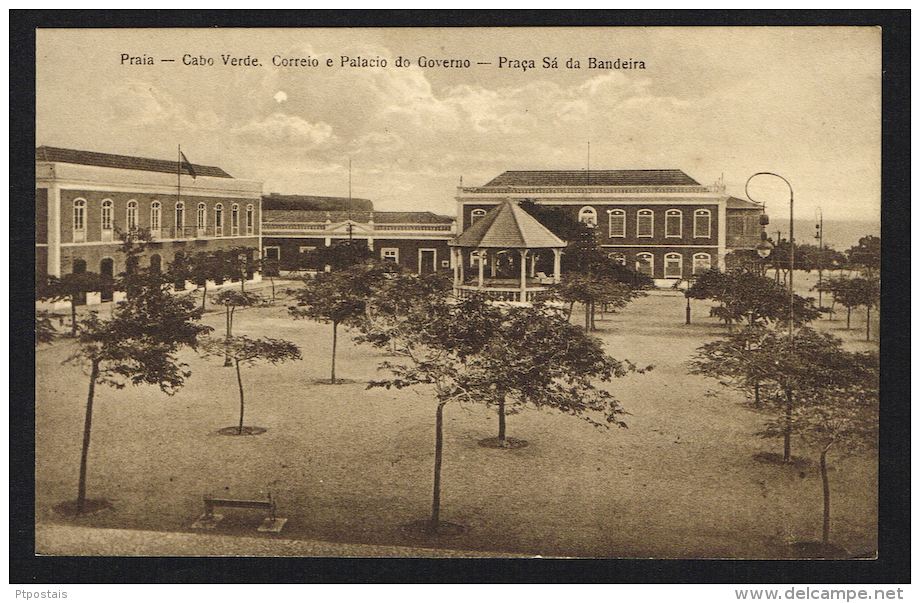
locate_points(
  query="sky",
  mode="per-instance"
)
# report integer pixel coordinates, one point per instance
(719, 103)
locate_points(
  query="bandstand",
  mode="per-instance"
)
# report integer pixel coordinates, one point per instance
(496, 257)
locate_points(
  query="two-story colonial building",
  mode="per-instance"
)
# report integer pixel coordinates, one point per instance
(663, 222)
(84, 199)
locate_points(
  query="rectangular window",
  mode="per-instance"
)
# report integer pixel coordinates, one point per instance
(644, 223)
(672, 226)
(305, 249)
(701, 224)
(618, 223)
(672, 266)
(250, 220)
(390, 253)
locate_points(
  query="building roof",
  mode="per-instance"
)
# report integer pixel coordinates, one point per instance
(508, 227)
(593, 178)
(736, 203)
(315, 203)
(379, 217)
(123, 162)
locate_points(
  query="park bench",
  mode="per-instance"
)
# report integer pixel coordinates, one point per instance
(210, 519)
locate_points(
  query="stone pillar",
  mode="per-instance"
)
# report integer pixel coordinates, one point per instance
(523, 275)
(54, 228)
(482, 266)
(557, 265)
(453, 257)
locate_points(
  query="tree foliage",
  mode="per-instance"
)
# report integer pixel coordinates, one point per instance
(744, 296)
(71, 288)
(867, 255)
(136, 346)
(476, 352)
(339, 297)
(786, 375)
(853, 292)
(244, 351)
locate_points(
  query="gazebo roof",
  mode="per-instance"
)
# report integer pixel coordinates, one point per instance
(508, 227)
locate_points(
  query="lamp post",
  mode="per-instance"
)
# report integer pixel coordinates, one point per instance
(791, 243)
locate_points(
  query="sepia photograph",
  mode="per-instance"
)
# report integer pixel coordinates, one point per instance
(465, 292)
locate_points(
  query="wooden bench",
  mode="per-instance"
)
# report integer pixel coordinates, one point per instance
(210, 519)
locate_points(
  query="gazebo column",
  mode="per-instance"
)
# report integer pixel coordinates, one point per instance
(453, 257)
(557, 265)
(461, 261)
(533, 265)
(493, 260)
(482, 266)
(523, 275)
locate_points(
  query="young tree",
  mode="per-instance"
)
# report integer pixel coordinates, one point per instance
(339, 256)
(592, 292)
(744, 296)
(249, 352)
(232, 299)
(783, 375)
(240, 264)
(843, 417)
(71, 287)
(470, 351)
(867, 256)
(136, 346)
(854, 292)
(204, 267)
(338, 297)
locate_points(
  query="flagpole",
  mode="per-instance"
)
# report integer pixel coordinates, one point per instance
(179, 189)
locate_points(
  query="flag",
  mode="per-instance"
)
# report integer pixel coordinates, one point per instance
(187, 165)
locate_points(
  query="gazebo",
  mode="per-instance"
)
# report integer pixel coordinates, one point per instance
(501, 249)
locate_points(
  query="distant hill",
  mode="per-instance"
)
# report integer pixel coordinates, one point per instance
(313, 203)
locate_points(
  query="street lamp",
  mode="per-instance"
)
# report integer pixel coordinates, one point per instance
(761, 247)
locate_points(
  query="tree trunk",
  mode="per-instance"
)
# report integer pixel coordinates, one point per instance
(571, 309)
(587, 316)
(868, 315)
(438, 449)
(787, 429)
(757, 394)
(826, 528)
(87, 428)
(239, 380)
(688, 310)
(73, 317)
(335, 333)
(501, 418)
(848, 317)
(227, 361)
(204, 295)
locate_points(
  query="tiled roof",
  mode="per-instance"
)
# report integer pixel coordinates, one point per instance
(593, 178)
(315, 203)
(508, 227)
(380, 217)
(736, 203)
(124, 162)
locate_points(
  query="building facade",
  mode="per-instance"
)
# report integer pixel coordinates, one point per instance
(415, 240)
(661, 222)
(83, 200)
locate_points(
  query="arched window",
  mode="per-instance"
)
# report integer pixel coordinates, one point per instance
(79, 220)
(477, 213)
(645, 223)
(202, 222)
(108, 208)
(131, 215)
(155, 218)
(702, 220)
(645, 263)
(588, 215)
(617, 221)
(672, 223)
(701, 262)
(219, 220)
(673, 264)
(250, 220)
(180, 219)
(234, 220)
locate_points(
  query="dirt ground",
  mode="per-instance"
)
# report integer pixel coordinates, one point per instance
(347, 464)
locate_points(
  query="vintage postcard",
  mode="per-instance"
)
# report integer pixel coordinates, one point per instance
(594, 292)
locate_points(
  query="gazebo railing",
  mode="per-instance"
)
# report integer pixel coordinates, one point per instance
(531, 294)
